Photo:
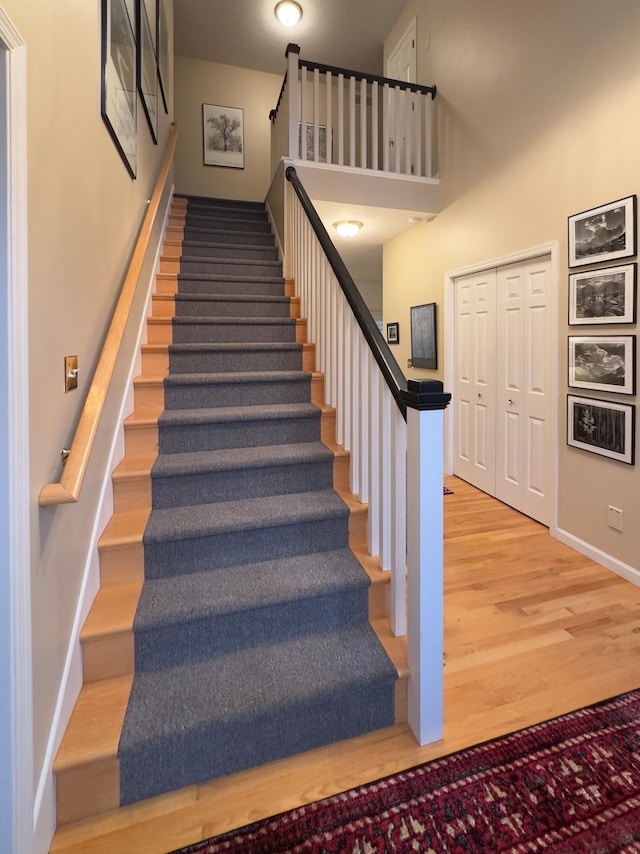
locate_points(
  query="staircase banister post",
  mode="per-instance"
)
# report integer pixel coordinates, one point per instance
(426, 402)
(293, 76)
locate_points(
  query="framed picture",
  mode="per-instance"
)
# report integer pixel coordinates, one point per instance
(602, 427)
(603, 296)
(603, 363)
(393, 333)
(147, 70)
(223, 136)
(604, 233)
(424, 344)
(162, 42)
(322, 142)
(118, 88)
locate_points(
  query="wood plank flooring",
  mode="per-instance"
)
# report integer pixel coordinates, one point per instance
(532, 630)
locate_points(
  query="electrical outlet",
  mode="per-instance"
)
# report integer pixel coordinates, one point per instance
(70, 373)
(615, 518)
(409, 363)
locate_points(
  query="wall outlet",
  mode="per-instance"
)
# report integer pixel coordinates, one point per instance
(614, 517)
(409, 363)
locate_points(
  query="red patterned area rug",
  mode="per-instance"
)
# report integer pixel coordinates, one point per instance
(568, 786)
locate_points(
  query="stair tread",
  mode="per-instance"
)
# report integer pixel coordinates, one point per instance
(234, 347)
(254, 682)
(242, 515)
(193, 596)
(112, 611)
(231, 459)
(227, 298)
(177, 417)
(218, 277)
(222, 321)
(237, 377)
(94, 729)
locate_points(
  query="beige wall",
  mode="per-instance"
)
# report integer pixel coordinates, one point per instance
(197, 83)
(84, 211)
(538, 119)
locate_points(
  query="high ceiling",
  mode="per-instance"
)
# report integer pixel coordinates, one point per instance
(346, 33)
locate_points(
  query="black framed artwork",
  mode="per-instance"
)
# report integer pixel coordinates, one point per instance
(118, 90)
(603, 363)
(147, 70)
(602, 427)
(606, 295)
(162, 50)
(604, 233)
(424, 342)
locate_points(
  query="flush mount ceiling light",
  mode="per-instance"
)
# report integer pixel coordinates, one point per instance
(347, 227)
(288, 12)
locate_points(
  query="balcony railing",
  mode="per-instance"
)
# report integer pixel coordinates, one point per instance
(393, 430)
(352, 119)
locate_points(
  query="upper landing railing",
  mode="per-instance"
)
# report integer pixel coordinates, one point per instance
(352, 119)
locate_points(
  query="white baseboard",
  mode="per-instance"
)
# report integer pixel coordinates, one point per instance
(629, 573)
(44, 811)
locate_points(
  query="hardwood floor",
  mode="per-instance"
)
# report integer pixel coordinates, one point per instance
(532, 630)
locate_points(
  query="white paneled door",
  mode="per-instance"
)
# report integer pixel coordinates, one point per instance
(502, 398)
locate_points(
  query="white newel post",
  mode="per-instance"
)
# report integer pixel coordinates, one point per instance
(426, 403)
(292, 54)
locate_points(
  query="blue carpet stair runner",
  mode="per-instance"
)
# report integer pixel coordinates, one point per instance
(252, 639)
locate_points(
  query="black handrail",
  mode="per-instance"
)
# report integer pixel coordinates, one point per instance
(391, 371)
(416, 88)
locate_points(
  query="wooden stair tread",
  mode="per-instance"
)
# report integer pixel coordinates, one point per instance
(134, 465)
(124, 528)
(93, 733)
(112, 611)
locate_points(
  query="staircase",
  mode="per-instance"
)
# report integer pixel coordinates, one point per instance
(232, 623)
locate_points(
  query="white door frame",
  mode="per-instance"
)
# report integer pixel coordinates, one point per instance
(551, 249)
(15, 681)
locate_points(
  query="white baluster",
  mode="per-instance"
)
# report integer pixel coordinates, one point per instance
(398, 101)
(340, 367)
(408, 132)
(316, 114)
(374, 126)
(398, 603)
(329, 131)
(348, 377)
(386, 130)
(374, 458)
(386, 401)
(340, 119)
(418, 101)
(352, 121)
(356, 411)
(303, 113)
(364, 421)
(428, 136)
(332, 401)
(363, 123)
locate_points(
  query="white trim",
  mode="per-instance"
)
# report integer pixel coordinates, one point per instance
(551, 249)
(629, 573)
(18, 416)
(72, 680)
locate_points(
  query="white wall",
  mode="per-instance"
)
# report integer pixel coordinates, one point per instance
(538, 119)
(84, 213)
(198, 82)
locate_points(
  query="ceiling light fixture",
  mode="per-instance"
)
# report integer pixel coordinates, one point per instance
(347, 227)
(288, 12)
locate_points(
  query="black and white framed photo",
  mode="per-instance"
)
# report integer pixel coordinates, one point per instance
(162, 50)
(603, 234)
(602, 427)
(393, 333)
(118, 89)
(607, 295)
(147, 70)
(424, 343)
(223, 136)
(603, 363)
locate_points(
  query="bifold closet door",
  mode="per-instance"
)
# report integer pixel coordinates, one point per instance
(475, 380)
(523, 398)
(502, 402)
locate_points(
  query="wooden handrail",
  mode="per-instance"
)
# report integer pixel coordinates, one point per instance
(67, 489)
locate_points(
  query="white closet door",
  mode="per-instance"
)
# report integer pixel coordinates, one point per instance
(503, 384)
(475, 386)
